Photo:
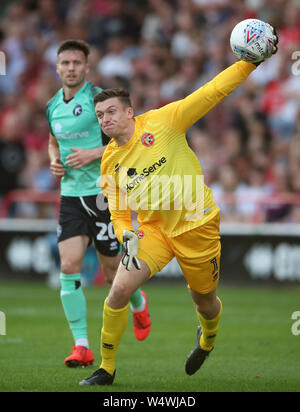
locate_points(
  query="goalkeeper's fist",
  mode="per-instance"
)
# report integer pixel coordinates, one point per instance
(275, 47)
(276, 40)
(130, 249)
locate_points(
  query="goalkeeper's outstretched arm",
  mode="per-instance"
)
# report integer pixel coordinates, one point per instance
(181, 115)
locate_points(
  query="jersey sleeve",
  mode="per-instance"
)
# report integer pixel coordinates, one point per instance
(182, 114)
(48, 118)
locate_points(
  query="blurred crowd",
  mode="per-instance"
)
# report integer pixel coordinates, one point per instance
(161, 50)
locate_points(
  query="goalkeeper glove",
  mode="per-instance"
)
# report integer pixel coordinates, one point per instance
(130, 249)
(275, 48)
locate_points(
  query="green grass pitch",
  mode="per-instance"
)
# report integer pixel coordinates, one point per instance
(255, 350)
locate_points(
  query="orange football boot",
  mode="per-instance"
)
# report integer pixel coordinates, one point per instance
(80, 356)
(142, 322)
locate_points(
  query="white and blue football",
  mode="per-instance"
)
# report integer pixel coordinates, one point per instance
(252, 40)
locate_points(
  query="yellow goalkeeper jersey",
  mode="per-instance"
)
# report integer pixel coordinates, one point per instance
(156, 174)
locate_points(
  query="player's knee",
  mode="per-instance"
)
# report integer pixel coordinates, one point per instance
(70, 266)
(207, 307)
(203, 307)
(119, 295)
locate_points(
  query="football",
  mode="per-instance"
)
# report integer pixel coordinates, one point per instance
(252, 40)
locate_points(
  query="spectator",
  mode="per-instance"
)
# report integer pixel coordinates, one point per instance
(224, 191)
(294, 216)
(115, 62)
(251, 196)
(12, 154)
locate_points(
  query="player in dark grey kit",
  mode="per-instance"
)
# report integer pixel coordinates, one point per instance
(75, 150)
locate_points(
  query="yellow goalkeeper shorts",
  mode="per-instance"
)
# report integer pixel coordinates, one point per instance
(197, 252)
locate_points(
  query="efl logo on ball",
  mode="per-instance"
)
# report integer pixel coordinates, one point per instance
(253, 32)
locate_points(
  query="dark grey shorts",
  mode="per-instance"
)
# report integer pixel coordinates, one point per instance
(81, 216)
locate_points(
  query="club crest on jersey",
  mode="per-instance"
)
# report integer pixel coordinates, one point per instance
(140, 234)
(148, 139)
(77, 110)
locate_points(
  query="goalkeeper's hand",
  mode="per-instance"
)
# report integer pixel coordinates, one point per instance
(130, 249)
(275, 48)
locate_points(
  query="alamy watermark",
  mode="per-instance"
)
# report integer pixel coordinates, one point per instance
(2, 64)
(157, 193)
(296, 325)
(296, 65)
(2, 323)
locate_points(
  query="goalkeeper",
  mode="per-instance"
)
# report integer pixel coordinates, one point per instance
(150, 151)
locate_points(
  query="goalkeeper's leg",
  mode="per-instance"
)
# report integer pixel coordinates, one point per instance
(209, 311)
(138, 300)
